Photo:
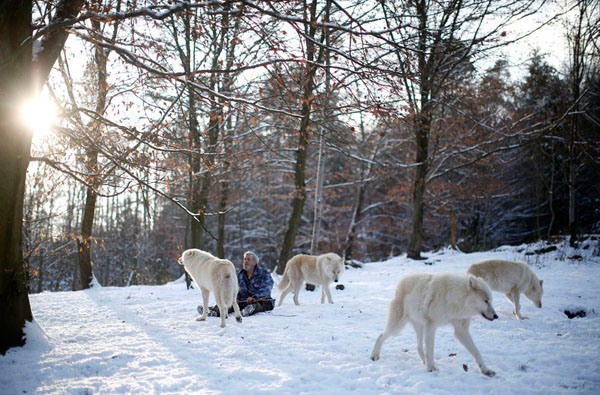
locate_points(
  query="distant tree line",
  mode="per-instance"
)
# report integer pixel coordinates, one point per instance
(202, 159)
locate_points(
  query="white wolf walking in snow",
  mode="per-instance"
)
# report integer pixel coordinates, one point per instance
(512, 279)
(315, 269)
(431, 300)
(213, 274)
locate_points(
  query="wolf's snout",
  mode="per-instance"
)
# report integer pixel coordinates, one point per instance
(489, 318)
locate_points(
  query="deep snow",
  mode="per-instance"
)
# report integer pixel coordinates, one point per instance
(145, 339)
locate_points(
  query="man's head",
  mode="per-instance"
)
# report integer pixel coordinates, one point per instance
(250, 261)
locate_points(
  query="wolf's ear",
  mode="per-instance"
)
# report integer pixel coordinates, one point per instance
(472, 282)
(541, 283)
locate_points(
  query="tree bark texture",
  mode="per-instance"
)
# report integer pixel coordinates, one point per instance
(422, 131)
(299, 198)
(94, 177)
(15, 143)
(20, 77)
(418, 196)
(356, 217)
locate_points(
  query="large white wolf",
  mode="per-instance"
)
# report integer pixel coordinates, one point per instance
(213, 274)
(512, 279)
(431, 300)
(315, 269)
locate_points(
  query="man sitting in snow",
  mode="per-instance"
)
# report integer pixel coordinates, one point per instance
(255, 284)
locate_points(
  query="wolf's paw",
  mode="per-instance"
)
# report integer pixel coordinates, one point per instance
(201, 318)
(432, 369)
(238, 319)
(488, 372)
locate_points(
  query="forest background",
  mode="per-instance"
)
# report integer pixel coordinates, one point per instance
(366, 128)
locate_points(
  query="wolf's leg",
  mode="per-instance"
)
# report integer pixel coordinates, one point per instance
(377, 347)
(514, 297)
(325, 291)
(222, 312)
(236, 309)
(461, 332)
(429, 332)
(205, 294)
(419, 331)
(395, 323)
(297, 285)
(284, 293)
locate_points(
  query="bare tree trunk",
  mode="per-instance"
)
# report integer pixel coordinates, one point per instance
(16, 80)
(186, 56)
(299, 194)
(195, 167)
(422, 131)
(222, 217)
(577, 71)
(356, 217)
(85, 240)
(303, 141)
(551, 194)
(15, 66)
(318, 212)
(94, 178)
(419, 188)
(453, 229)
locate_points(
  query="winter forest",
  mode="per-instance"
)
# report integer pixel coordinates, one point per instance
(366, 128)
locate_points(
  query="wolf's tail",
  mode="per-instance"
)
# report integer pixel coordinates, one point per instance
(396, 315)
(231, 290)
(285, 280)
(228, 289)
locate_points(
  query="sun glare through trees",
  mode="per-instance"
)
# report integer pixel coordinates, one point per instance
(40, 115)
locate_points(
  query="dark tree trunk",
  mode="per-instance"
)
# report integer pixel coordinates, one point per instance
(17, 81)
(303, 139)
(299, 177)
(94, 177)
(419, 188)
(221, 221)
(422, 131)
(356, 217)
(85, 240)
(15, 84)
(297, 205)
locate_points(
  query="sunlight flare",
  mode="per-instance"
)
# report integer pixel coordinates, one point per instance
(39, 115)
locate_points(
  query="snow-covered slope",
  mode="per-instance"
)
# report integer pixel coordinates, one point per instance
(145, 339)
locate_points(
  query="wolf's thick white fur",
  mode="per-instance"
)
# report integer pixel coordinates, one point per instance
(512, 279)
(215, 275)
(314, 269)
(428, 301)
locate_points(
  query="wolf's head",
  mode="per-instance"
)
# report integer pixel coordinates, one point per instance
(334, 267)
(535, 291)
(480, 298)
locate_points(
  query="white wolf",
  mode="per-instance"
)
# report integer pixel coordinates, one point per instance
(213, 274)
(431, 300)
(319, 270)
(512, 279)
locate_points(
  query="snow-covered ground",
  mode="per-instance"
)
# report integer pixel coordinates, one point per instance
(145, 339)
